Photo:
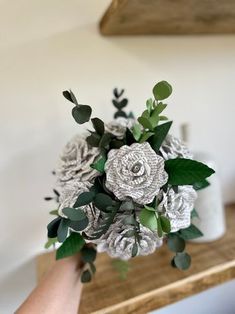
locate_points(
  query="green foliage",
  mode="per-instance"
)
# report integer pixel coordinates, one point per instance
(103, 201)
(148, 219)
(62, 231)
(165, 224)
(136, 131)
(88, 254)
(186, 171)
(74, 214)
(122, 267)
(72, 245)
(160, 133)
(162, 90)
(86, 276)
(175, 242)
(81, 113)
(201, 185)
(119, 103)
(50, 242)
(93, 139)
(84, 198)
(99, 164)
(52, 227)
(145, 122)
(190, 233)
(182, 260)
(98, 125)
(134, 250)
(105, 140)
(194, 214)
(79, 225)
(145, 136)
(54, 212)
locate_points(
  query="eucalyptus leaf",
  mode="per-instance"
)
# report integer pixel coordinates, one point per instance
(182, 260)
(88, 254)
(127, 206)
(98, 125)
(190, 233)
(69, 95)
(102, 201)
(72, 245)
(162, 90)
(130, 220)
(74, 214)
(52, 227)
(119, 114)
(145, 122)
(136, 131)
(175, 243)
(93, 139)
(129, 234)
(63, 230)
(81, 113)
(186, 171)
(145, 136)
(165, 224)
(86, 276)
(148, 219)
(134, 250)
(105, 140)
(84, 198)
(160, 107)
(160, 133)
(79, 225)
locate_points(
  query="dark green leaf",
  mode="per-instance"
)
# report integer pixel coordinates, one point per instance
(192, 232)
(148, 219)
(105, 140)
(81, 113)
(72, 245)
(116, 144)
(129, 234)
(175, 243)
(74, 214)
(84, 198)
(127, 206)
(88, 254)
(145, 122)
(99, 165)
(120, 113)
(62, 231)
(134, 250)
(182, 260)
(160, 133)
(130, 220)
(165, 224)
(118, 94)
(86, 276)
(102, 201)
(52, 227)
(93, 139)
(79, 225)
(201, 185)
(186, 171)
(162, 90)
(194, 214)
(129, 137)
(92, 267)
(98, 125)
(120, 104)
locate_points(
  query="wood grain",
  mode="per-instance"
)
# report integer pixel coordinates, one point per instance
(143, 17)
(152, 283)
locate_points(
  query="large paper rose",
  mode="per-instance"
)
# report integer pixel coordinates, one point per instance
(75, 161)
(172, 147)
(135, 172)
(118, 246)
(177, 207)
(118, 126)
(68, 197)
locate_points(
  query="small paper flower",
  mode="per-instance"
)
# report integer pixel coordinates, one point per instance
(135, 172)
(68, 197)
(118, 126)
(177, 207)
(117, 245)
(172, 147)
(75, 161)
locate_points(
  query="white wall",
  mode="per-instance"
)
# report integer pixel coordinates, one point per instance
(49, 46)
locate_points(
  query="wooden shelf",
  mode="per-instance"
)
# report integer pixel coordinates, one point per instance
(152, 283)
(143, 17)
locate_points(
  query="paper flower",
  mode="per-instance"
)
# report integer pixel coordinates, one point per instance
(75, 161)
(135, 172)
(173, 147)
(117, 245)
(118, 126)
(177, 207)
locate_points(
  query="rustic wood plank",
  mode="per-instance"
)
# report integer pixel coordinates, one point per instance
(152, 283)
(143, 17)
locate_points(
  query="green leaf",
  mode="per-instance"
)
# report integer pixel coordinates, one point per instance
(148, 219)
(175, 243)
(186, 171)
(120, 113)
(129, 234)
(194, 214)
(129, 137)
(99, 165)
(149, 105)
(130, 220)
(120, 104)
(145, 122)
(182, 260)
(116, 144)
(72, 245)
(118, 93)
(160, 107)
(74, 214)
(154, 118)
(102, 201)
(165, 224)
(162, 90)
(98, 125)
(62, 231)
(92, 267)
(105, 140)
(50, 242)
(160, 133)
(136, 131)
(145, 136)
(127, 206)
(88, 254)
(93, 139)
(52, 227)
(84, 198)
(134, 250)
(81, 113)
(86, 276)
(192, 232)
(201, 185)
(159, 228)
(54, 212)
(69, 95)
(79, 225)
(163, 118)
(150, 208)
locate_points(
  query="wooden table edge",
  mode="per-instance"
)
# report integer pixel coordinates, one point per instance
(171, 293)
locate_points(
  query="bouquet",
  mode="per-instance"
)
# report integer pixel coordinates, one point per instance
(125, 187)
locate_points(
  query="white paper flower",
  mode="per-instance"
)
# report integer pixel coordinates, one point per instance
(135, 172)
(75, 161)
(118, 126)
(68, 197)
(177, 207)
(118, 246)
(172, 147)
